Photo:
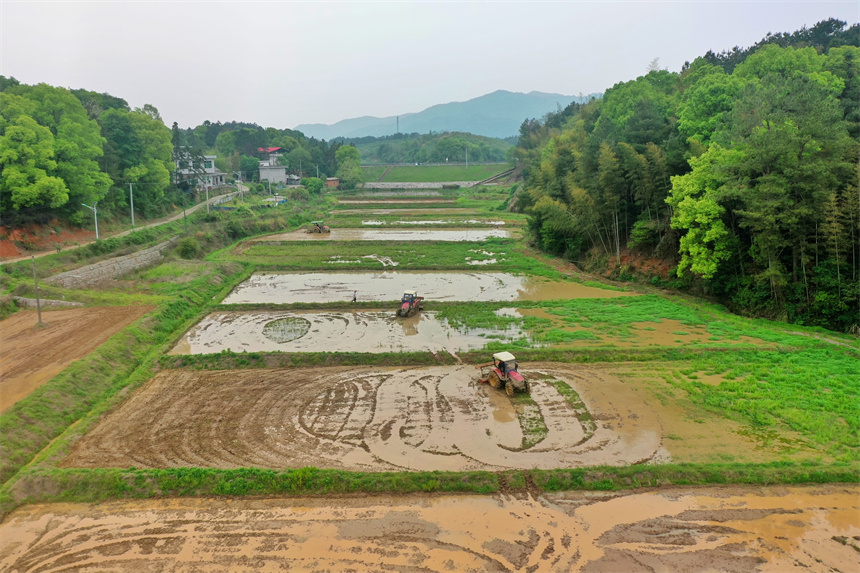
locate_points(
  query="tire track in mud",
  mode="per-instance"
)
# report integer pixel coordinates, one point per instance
(366, 419)
(740, 529)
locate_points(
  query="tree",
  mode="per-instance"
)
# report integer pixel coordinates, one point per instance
(348, 166)
(77, 145)
(314, 185)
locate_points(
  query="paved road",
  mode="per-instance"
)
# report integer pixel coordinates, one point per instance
(212, 199)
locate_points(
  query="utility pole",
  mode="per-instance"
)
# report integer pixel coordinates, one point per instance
(131, 195)
(95, 214)
(36, 281)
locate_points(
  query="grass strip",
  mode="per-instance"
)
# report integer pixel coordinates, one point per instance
(98, 485)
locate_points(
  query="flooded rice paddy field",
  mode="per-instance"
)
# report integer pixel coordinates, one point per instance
(434, 222)
(457, 235)
(385, 201)
(407, 211)
(373, 419)
(733, 529)
(357, 331)
(282, 288)
(376, 331)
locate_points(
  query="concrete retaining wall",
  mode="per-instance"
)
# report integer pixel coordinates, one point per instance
(24, 302)
(111, 268)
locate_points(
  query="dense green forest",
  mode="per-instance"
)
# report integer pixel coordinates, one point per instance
(429, 148)
(741, 171)
(60, 148)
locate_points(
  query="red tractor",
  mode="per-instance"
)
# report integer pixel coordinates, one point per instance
(318, 227)
(410, 304)
(503, 374)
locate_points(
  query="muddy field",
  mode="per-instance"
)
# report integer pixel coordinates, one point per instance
(732, 529)
(280, 288)
(410, 212)
(371, 419)
(360, 331)
(30, 356)
(372, 223)
(450, 235)
(383, 201)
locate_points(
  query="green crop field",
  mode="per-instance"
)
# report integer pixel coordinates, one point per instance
(439, 173)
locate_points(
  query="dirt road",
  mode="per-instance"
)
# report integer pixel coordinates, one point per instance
(734, 529)
(155, 223)
(30, 356)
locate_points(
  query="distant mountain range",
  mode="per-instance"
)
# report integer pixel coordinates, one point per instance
(498, 114)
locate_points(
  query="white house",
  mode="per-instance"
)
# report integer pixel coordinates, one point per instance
(206, 174)
(272, 169)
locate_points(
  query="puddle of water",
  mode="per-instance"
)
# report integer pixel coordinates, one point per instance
(282, 288)
(456, 235)
(375, 223)
(386, 261)
(384, 201)
(713, 529)
(331, 332)
(406, 211)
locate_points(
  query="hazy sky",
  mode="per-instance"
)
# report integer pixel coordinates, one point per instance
(281, 64)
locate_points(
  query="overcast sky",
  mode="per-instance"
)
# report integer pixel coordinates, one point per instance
(280, 64)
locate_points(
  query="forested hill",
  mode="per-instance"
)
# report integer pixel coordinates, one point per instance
(741, 171)
(430, 148)
(498, 114)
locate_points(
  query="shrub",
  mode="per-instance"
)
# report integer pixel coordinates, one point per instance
(188, 248)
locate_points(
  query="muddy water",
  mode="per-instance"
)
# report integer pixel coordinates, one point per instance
(383, 201)
(369, 419)
(455, 235)
(281, 288)
(436, 222)
(365, 331)
(406, 211)
(713, 529)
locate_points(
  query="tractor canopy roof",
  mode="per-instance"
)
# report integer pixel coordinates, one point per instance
(412, 292)
(317, 222)
(503, 356)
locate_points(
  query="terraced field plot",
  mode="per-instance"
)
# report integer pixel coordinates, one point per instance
(357, 331)
(709, 529)
(389, 285)
(463, 235)
(370, 419)
(30, 356)
(408, 211)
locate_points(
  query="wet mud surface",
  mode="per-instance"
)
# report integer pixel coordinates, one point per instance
(359, 331)
(732, 529)
(384, 201)
(406, 211)
(30, 356)
(280, 288)
(450, 235)
(370, 419)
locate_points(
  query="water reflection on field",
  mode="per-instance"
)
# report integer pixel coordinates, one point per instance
(282, 288)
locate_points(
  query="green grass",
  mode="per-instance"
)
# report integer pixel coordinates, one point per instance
(372, 173)
(416, 255)
(438, 173)
(99, 485)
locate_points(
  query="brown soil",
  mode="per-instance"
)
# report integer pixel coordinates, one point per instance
(363, 419)
(737, 529)
(37, 238)
(30, 355)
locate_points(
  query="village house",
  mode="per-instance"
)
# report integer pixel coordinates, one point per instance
(202, 173)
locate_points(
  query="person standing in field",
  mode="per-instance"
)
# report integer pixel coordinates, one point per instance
(354, 295)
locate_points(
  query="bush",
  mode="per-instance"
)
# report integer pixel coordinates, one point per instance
(314, 185)
(298, 194)
(188, 248)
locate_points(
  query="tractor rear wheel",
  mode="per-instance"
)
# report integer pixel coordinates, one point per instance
(509, 389)
(494, 380)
